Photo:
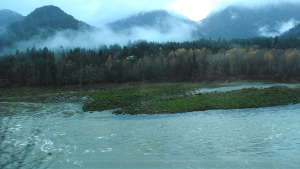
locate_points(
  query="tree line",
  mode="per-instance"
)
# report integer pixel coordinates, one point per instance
(204, 60)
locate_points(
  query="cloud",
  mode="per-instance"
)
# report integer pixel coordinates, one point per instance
(286, 26)
(264, 31)
(280, 28)
(105, 36)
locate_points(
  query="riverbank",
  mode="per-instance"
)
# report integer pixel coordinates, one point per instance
(159, 98)
(76, 94)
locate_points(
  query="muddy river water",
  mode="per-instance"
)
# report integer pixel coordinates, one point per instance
(223, 139)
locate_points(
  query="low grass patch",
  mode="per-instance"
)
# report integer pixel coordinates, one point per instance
(135, 95)
(246, 98)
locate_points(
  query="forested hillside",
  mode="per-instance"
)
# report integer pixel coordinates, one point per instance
(256, 59)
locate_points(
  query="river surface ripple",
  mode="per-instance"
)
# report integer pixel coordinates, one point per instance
(265, 138)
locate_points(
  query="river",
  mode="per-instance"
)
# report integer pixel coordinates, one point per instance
(217, 139)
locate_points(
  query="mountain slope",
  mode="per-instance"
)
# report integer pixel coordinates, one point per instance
(293, 33)
(158, 20)
(42, 23)
(243, 22)
(8, 17)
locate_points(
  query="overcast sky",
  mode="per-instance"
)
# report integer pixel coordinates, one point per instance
(97, 12)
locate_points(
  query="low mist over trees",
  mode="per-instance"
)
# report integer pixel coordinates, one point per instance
(255, 59)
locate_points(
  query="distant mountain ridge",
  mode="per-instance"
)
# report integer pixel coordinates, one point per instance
(42, 22)
(8, 17)
(45, 21)
(160, 20)
(230, 23)
(246, 22)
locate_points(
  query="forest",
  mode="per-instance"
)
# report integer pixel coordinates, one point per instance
(271, 59)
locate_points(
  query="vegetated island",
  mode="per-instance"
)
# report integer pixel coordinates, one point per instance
(177, 99)
(157, 98)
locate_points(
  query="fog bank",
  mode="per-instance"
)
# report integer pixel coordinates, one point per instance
(105, 36)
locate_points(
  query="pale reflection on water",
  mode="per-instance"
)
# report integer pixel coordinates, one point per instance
(233, 139)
